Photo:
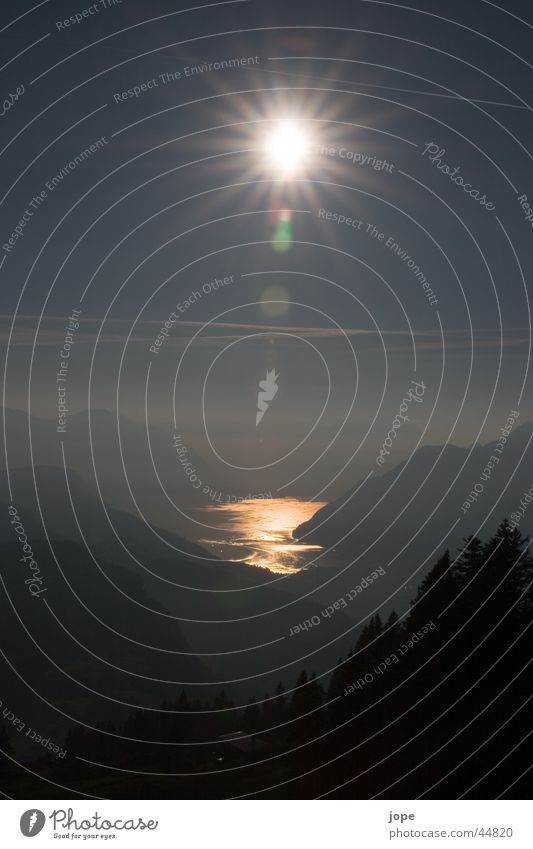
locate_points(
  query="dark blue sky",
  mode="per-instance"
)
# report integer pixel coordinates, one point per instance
(180, 193)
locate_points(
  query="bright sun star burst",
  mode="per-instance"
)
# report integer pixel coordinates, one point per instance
(287, 146)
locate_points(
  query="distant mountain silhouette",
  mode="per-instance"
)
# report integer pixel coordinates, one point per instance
(100, 447)
(390, 510)
(239, 617)
(82, 637)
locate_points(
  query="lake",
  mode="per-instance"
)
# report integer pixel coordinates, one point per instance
(259, 532)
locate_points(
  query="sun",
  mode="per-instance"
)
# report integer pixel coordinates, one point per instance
(287, 146)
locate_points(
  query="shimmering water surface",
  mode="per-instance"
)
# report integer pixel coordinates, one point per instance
(259, 532)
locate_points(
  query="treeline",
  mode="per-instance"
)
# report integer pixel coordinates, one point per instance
(434, 704)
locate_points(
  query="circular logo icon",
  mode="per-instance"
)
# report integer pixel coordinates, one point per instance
(32, 822)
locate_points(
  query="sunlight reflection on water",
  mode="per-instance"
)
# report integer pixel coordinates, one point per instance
(258, 532)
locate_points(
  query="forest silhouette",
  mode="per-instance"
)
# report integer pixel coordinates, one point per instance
(434, 704)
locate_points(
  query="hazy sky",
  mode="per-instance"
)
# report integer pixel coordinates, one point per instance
(180, 192)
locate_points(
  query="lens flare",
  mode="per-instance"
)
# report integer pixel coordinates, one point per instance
(282, 235)
(275, 301)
